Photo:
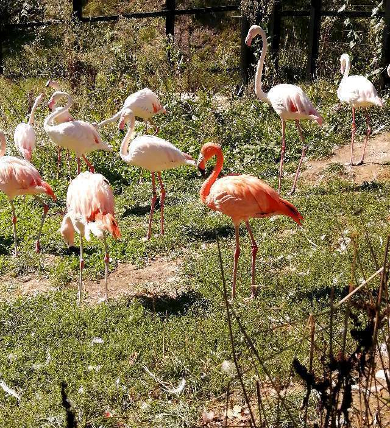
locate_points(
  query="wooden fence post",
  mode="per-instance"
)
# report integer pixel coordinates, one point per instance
(78, 9)
(275, 26)
(170, 6)
(314, 37)
(386, 43)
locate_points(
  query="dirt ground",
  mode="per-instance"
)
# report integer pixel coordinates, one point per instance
(156, 277)
(376, 165)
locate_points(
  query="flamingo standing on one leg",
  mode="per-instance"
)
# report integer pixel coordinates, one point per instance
(79, 136)
(144, 104)
(155, 155)
(24, 136)
(289, 102)
(19, 177)
(358, 92)
(241, 197)
(90, 206)
(65, 116)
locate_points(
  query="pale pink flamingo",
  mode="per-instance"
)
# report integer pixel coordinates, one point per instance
(65, 116)
(24, 136)
(241, 197)
(144, 104)
(288, 101)
(155, 155)
(90, 209)
(79, 136)
(358, 92)
(19, 177)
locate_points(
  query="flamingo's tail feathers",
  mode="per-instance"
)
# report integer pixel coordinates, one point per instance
(189, 159)
(48, 190)
(317, 118)
(290, 211)
(378, 101)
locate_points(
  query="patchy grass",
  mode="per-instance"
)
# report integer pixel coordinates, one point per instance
(46, 339)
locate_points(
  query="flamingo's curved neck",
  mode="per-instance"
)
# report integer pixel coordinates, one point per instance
(261, 95)
(3, 144)
(347, 67)
(48, 123)
(124, 151)
(35, 105)
(205, 189)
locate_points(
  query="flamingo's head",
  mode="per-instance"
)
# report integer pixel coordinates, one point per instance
(52, 84)
(207, 152)
(254, 31)
(126, 116)
(344, 60)
(67, 230)
(55, 98)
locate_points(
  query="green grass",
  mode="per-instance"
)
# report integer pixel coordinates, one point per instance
(47, 338)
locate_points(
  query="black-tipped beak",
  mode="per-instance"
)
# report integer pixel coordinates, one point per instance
(202, 171)
(122, 131)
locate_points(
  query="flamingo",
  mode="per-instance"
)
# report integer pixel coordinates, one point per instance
(241, 197)
(90, 209)
(19, 177)
(144, 104)
(288, 101)
(61, 118)
(358, 92)
(77, 135)
(155, 155)
(24, 136)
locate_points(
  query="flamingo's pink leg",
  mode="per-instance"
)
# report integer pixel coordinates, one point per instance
(282, 154)
(154, 197)
(254, 253)
(162, 199)
(106, 265)
(68, 161)
(80, 292)
(58, 160)
(236, 256)
(367, 137)
(78, 166)
(353, 133)
(45, 210)
(14, 228)
(90, 166)
(304, 148)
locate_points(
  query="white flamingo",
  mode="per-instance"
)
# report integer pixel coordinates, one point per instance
(90, 205)
(358, 92)
(144, 104)
(155, 155)
(24, 136)
(288, 101)
(78, 136)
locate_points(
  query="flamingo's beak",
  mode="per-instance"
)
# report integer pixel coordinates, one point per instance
(51, 105)
(201, 164)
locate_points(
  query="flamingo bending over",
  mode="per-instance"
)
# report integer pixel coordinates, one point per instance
(90, 209)
(144, 104)
(241, 197)
(79, 136)
(19, 177)
(24, 136)
(358, 92)
(155, 155)
(288, 101)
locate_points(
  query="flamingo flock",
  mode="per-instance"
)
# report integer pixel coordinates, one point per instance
(90, 204)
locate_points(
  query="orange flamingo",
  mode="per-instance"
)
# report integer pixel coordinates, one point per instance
(90, 206)
(241, 197)
(19, 177)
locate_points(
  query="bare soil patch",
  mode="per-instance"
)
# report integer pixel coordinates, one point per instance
(376, 165)
(157, 277)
